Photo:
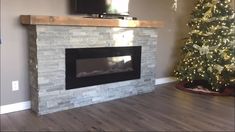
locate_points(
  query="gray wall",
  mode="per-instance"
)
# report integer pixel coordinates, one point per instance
(169, 36)
(14, 49)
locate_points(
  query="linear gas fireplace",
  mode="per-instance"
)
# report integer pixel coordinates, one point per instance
(93, 66)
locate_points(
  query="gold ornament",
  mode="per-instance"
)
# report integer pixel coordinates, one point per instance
(199, 69)
(208, 13)
(209, 69)
(204, 50)
(230, 67)
(232, 80)
(226, 57)
(219, 68)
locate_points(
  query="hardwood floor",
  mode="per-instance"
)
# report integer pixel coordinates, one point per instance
(165, 109)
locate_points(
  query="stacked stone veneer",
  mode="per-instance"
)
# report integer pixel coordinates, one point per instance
(47, 65)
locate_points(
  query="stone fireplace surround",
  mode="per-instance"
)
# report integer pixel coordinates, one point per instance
(50, 36)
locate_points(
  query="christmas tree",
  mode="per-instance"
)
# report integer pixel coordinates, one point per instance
(209, 50)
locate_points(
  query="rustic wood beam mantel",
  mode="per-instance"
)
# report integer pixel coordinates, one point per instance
(87, 22)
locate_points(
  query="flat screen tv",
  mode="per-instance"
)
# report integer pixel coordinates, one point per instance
(100, 7)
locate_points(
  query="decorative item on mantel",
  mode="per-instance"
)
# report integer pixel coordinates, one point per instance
(207, 63)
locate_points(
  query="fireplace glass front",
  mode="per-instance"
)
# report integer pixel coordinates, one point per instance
(101, 66)
(93, 66)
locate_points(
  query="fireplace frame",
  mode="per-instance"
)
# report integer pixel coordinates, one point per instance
(72, 54)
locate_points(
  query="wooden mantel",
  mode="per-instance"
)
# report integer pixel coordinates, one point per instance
(87, 22)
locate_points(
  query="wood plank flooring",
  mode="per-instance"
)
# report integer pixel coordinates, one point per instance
(165, 109)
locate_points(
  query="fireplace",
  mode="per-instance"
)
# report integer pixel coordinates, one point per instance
(72, 66)
(93, 66)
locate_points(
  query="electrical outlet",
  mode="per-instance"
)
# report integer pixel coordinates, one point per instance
(15, 85)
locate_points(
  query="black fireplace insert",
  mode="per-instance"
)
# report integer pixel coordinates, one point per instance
(93, 66)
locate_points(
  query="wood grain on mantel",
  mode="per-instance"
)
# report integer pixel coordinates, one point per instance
(87, 22)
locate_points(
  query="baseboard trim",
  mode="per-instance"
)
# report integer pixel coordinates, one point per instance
(165, 80)
(15, 107)
(27, 105)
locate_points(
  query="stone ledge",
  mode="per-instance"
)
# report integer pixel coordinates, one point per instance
(87, 22)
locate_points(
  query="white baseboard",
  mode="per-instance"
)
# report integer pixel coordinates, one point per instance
(27, 105)
(15, 107)
(165, 80)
